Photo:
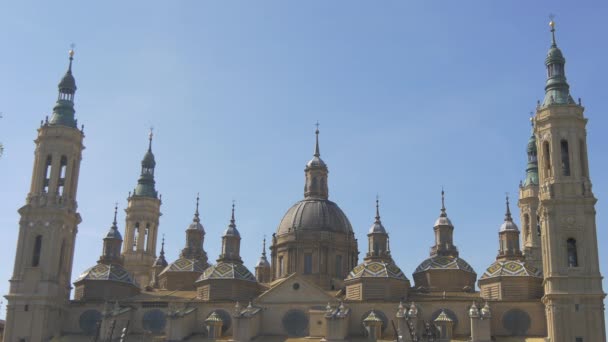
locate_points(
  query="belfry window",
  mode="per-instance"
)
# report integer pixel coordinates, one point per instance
(37, 250)
(62, 170)
(565, 158)
(135, 236)
(147, 237)
(572, 253)
(547, 156)
(47, 174)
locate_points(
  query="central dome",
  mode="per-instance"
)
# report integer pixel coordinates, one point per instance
(315, 214)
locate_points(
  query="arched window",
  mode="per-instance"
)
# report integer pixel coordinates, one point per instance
(147, 237)
(136, 236)
(565, 158)
(572, 254)
(538, 225)
(37, 250)
(547, 157)
(62, 169)
(47, 174)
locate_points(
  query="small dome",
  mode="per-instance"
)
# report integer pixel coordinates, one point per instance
(444, 263)
(148, 160)
(376, 269)
(377, 227)
(443, 221)
(554, 55)
(316, 162)
(232, 231)
(315, 214)
(160, 261)
(227, 270)
(196, 225)
(186, 265)
(263, 262)
(113, 233)
(511, 268)
(111, 272)
(67, 83)
(509, 225)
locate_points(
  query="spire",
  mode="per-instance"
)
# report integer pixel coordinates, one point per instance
(443, 228)
(508, 213)
(161, 261)
(113, 233)
(508, 224)
(552, 25)
(377, 209)
(377, 227)
(145, 183)
(196, 216)
(63, 112)
(316, 174)
(150, 136)
(231, 242)
(557, 90)
(264, 247)
(532, 167)
(443, 211)
(317, 153)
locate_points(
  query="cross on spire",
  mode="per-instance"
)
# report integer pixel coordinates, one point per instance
(317, 152)
(150, 136)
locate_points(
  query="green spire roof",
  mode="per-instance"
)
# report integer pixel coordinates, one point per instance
(532, 168)
(63, 112)
(557, 90)
(145, 183)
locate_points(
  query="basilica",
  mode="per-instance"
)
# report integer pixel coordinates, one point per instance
(544, 284)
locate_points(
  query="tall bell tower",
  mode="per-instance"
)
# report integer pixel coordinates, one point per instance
(573, 285)
(143, 213)
(40, 285)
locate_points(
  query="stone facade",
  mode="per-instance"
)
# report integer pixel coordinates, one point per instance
(548, 288)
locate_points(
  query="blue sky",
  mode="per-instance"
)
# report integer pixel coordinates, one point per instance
(410, 96)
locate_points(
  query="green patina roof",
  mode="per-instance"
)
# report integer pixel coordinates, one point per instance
(557, 90)
(63, 112)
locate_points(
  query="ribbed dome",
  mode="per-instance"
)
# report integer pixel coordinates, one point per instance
(315, 214)
(509, 225)
(111, 272)
(148, 160)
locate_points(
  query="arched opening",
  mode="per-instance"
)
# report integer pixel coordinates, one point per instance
(47, 174)
(547, 157)
(572, 253)
(62, 170)
(37, 250)
(135, 236)
(146, 237)
(565, 158)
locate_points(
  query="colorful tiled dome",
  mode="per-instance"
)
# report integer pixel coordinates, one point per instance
(444, 263)
(376, 269)
(226, 270)
(112, 272)
(186, 265)
(511, 268)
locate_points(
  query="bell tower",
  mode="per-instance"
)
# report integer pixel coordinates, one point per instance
(143, 213)
(40, 285)
(573, 284)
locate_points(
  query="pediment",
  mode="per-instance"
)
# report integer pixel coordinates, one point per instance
(295, 289)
